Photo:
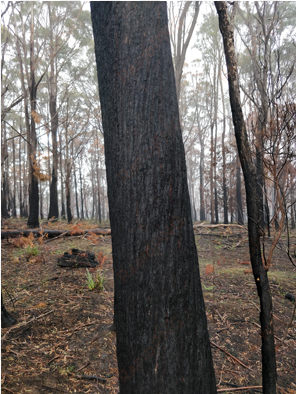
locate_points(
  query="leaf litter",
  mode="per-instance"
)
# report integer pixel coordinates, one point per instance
(64, 341)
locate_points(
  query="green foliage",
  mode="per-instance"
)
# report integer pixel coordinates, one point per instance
(208, 288)
(32, 251)
(96, 281)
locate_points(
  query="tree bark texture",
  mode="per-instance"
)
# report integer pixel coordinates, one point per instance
(6, 319)
(162, 338)
(254, 215)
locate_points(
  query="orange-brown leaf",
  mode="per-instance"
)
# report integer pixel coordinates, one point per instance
(209, 269)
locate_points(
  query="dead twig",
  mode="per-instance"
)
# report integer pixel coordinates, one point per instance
(222, 329)
(79, 327)
(10, 391)
(231, 356)
(53, 239)
(238, 388)
(26, 323)
(91, 377)
(50, 361)
(86, 365)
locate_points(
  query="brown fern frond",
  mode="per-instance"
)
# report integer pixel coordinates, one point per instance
(77, 229)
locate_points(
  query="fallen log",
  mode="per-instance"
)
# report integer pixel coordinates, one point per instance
(202, 225)
(52, 233)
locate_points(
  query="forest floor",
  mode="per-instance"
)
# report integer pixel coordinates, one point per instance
(64, 329)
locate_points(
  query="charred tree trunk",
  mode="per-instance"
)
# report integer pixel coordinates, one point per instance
(240, 216)
(260, 274)
(4, 210)
(33, 219)
(6, 319)
(267, 210)
(162, 339)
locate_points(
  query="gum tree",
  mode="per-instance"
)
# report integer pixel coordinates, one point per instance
(159, 313)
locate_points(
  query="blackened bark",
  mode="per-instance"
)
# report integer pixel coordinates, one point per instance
(4, 210)
(216, 207)
(267, 210)
(68, 204)
(260, 180)
(249, 171)
(6, 319)
(240, 216)
(161, 328)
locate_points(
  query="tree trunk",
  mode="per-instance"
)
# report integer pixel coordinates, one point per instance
(20, 176)
(14, 180)
(76, 192)
(4, 210)
(6, 319)
(98, 182)
(68, 190)
(81, 194)
(259, 272)
(212, 175)
(63, 212)
(4, 194)
(201, 181)
(225, 207)
(68, 169)
(162, 339)
(182, 42)
(33, 219)
(240, 216)
(53, 91)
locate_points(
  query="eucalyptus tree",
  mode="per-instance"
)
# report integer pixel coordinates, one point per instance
(253, 208)
(182, 21)
(69, 32)
(267, 71)
(162, 338)
(209, 43)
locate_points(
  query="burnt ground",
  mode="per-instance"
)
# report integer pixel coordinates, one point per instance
(64, 329)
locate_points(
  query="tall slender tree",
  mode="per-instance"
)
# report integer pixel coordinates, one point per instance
(253, 208)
